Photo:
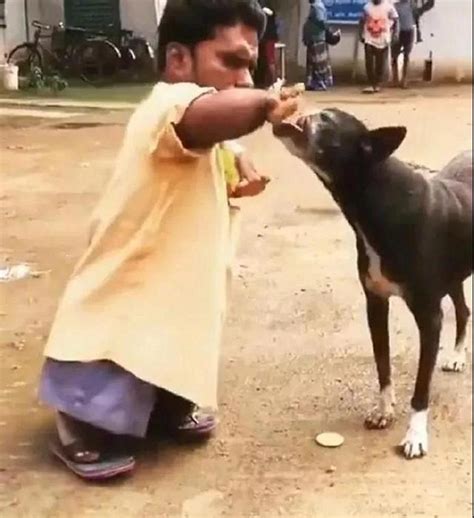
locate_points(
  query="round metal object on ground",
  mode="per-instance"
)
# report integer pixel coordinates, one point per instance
(330, 440)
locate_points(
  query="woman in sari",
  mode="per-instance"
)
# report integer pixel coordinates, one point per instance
(318, 66)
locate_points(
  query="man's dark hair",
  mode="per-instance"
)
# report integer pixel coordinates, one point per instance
(190, 22)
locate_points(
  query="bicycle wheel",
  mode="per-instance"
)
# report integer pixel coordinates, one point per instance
(97, 62)
(25, 56)
(127, 62)
(144, 65)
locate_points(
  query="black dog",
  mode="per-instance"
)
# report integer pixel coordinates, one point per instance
(414, 240)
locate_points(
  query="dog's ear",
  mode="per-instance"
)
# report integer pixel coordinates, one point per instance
(384, 141)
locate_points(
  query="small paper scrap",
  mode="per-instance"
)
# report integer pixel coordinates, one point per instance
(18, 272)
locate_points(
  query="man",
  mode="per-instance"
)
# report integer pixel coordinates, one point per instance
(266, 72)
(378, 26)
(137, 332)
(407, 16)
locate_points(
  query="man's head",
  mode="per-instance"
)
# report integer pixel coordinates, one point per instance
(210, 42)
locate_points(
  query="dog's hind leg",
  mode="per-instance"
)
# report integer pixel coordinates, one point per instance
(456, 360)
(377, 315)
(429, 317)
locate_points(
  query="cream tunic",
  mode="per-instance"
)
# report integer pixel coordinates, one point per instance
(149, 293)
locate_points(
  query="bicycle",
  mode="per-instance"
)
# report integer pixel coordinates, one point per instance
(138, 57)
(94, 58)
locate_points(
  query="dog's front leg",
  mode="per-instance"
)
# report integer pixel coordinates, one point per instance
(429, 317)
(377, 315)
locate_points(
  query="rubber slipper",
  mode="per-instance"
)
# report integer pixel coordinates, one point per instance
(110, 466)
(191, 427)
(196, 426)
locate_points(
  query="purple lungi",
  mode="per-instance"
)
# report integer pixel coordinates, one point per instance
(100, 393)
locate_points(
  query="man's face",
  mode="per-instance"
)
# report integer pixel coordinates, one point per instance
(227, 61)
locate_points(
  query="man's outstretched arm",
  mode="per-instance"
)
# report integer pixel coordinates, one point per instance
(230, 114)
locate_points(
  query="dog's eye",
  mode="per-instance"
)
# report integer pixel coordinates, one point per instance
(325, 118)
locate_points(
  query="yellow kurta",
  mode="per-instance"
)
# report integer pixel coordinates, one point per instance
(149, 293)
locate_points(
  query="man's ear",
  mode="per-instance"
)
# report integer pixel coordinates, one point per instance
(179, 62)
(384, 141)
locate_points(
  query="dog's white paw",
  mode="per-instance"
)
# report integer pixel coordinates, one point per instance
(456, 362)
(415, 443)
(384, 415)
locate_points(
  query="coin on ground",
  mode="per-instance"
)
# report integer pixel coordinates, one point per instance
(330, 440)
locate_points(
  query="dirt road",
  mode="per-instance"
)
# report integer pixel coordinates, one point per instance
(296, 357)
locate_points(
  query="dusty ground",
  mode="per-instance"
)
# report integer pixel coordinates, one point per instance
(296, 358)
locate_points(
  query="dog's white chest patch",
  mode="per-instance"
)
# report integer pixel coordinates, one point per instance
(375, 281)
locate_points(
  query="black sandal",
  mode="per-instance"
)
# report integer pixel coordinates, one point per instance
(92, 464)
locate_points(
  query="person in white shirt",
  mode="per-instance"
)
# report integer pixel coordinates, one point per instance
(378, 27)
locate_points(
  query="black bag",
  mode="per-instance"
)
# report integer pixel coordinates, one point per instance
(333, 37)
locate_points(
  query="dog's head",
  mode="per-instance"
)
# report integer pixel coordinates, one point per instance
(337, 146)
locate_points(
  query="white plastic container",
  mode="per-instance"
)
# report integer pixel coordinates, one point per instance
(10, 77)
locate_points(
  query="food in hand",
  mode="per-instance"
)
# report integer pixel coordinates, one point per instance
(282, 110)
(287, 104)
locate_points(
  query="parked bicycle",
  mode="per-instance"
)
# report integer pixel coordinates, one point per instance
(138, 57)
(90, 55)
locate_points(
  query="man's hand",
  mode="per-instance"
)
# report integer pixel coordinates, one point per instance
(251, 183)
(283, 105)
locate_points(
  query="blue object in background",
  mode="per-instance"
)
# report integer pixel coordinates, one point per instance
(344, 11)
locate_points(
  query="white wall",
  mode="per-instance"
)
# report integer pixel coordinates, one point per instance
(46, 11)
(18, 19)
(15, 32)
(447, 32)
(140, 16)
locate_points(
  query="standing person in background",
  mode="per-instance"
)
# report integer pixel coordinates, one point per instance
(378, 28)
(407, 16)
(318, 67)
(266, 72)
